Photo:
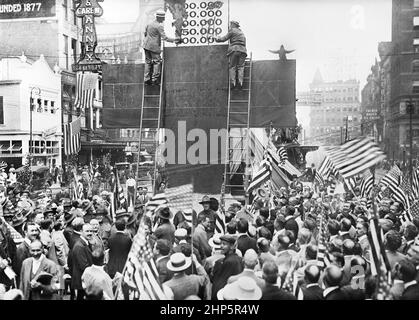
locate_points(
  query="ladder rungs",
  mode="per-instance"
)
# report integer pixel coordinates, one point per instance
(151, 96)
(239, 101)
(238, 124)
(238, 112)
(235, 173)
(150, 119)
(235, 185)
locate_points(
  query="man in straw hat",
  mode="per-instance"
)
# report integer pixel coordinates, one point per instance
(184, 285)
(153, 35)
(244, 288)
(236, 52)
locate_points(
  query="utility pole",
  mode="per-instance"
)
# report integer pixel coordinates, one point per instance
(410, 109)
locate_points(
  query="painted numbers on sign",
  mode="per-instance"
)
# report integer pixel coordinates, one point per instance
(18, 9)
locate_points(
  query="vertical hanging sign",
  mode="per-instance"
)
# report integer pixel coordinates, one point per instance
(88, 10)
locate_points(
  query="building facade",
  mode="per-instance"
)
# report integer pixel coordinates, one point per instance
(404, 81)
(24, 83)
(56, 32)
(335, 114)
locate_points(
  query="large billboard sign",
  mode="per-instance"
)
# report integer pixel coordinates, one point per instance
(24, 9)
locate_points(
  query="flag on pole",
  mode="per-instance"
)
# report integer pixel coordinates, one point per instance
(72, 131)
(367, 184)
(415, 184)
(85, 89)
(140, 272)
(355, 156)
(262, 175)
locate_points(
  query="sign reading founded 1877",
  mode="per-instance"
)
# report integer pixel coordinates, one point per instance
(24, 9)
(88, 10)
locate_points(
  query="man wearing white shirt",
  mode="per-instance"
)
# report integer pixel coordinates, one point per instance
(131, 190)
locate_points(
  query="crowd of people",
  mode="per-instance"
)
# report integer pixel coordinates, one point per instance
(52, 247)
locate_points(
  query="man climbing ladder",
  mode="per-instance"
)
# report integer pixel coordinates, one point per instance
(236, 52)
(153, 35)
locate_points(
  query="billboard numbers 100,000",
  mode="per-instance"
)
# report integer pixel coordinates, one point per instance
(24, 9)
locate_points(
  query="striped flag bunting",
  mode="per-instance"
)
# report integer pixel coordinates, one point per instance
(407, 188)
(414, 209)
(140, 272)
(120, 201)
(326, 168)
(72, 131)
(415, 184)
(367, 184)
(85, 89)
(322, 260)
(355, 156)
(157, 202)
(16, 236)
(3, 165)
(283, 155)
(351, 183)
(220, 225)
(393, 177)
(262, 175)
(380, 265)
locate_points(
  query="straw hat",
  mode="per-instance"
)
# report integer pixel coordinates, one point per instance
(178, 262)
(245, 288)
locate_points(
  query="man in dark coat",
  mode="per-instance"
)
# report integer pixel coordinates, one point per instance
(81, 259)
(311, 289)
(23, 250)
(244, 242)
(271, 290)
(153, 35)
(226, 267)
(119, 246)
(406, 271)
(162, 256)
(332, 278)
(236, 52)
(166, 229)
(207, 211)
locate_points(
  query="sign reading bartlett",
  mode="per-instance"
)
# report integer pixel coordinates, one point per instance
(24, 9)
(88, 10)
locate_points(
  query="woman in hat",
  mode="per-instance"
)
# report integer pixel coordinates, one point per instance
(165, 229)
(184, 285)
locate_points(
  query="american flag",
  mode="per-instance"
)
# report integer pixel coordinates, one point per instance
(414, 209)
(322, 259)
(355, 156)
(380, 265)
(326, 168)
(72, 144)
(283, 155)
(157, 202)
(415, 183)
(263, 174)
(85, 89)
(140, 272)
(367, 184)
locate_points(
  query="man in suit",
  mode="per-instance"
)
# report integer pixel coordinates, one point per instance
(409, 234)
(272, 290)
(250, 260)
(332, 278)
(166, 229)
(236, 52)
(81, 259)
(153, 35)
(224, 268)
(312, 290)
(392, 243)
(32, 267)
(244, 242)
(200, 238)
(161, 255)
(23, 250)
(119, 246)
(406, 272)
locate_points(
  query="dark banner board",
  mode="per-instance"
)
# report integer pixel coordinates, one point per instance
(196, 97)
(23, 9)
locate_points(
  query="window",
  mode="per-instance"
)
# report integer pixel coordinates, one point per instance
(74, 50)
(65, 10)
(46, 105)
(416, 45)
(415, 3)
(65, 39)
(52, 107)
(416, 22)
(73, 9)
(415, 87)
(1, 111)
(39, 106)
(415, 66)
